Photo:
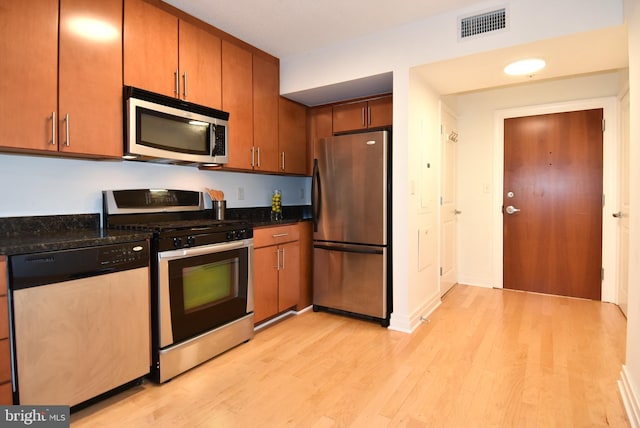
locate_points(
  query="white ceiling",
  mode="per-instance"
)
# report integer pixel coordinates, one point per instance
(286, 28)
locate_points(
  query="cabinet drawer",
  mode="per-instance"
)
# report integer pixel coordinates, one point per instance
(265, 236)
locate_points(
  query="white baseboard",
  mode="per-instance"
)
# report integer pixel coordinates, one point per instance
(630, 398)
(408, 323)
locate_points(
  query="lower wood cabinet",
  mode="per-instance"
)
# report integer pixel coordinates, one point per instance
(277, 268)
(6, 395)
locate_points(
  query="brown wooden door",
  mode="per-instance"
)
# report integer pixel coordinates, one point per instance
(553, 175)
(380, 112)
(265, 283)
(349, 117)
(288, 275)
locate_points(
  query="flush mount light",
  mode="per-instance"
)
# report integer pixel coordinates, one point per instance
(525, 67)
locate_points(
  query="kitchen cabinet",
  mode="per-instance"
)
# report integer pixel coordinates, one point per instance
(62, 77)
(170, 56)
(237, 99)
(320, 126)
(364, 114)
(6, 397)
(305, 295)
(250, 88)
(292, 137)
(266, 93)
(276, 278)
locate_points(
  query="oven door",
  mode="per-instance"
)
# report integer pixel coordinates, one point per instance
(201, 288)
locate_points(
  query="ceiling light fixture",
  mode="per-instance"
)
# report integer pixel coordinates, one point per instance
(524, 67)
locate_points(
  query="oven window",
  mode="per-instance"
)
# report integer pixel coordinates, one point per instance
(209, 284)
(207, 291)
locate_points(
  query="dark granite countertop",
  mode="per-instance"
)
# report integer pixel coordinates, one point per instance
(27, 235)
(261, 216)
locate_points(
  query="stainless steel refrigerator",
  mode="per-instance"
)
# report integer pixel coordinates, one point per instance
(352, 255)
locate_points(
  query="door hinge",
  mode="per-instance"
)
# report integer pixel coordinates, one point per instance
(604, 125)
(440, 200)
(440, 271)
(603, 199)
(601, 274)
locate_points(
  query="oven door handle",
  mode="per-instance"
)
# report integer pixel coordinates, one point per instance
(204, 249)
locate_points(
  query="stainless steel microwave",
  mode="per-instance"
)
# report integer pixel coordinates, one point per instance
(168, 130)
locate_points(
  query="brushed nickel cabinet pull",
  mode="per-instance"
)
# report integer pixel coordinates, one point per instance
(68, 136)
(53, 128)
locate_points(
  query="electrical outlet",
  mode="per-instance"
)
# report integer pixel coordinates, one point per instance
(241, 193)
(302, 194)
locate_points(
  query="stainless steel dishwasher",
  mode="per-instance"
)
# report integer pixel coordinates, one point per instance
(80, 322)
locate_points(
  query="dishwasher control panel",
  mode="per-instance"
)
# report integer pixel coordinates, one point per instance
(32, 270)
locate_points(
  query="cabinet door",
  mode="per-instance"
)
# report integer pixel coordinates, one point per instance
(150, 48)
(288, 275)
(349, 117)
(266, 87)
(306, 265)
(237, 94)
(90, 78)
(200, 73)
(292, 137)
(265, 283)
(380, 112)
(320, 126)
(29, 69)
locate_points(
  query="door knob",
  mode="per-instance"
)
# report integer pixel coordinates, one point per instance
(512, 210)
(457, 212)
(618, 214)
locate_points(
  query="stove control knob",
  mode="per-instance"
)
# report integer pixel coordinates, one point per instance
(231, 235)
(191, 241)
(177, 242)
(242, 233)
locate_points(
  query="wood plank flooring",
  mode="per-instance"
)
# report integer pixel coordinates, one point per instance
(486, 358)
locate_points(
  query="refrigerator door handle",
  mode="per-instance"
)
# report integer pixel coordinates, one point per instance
(350, 249)
(316, 195)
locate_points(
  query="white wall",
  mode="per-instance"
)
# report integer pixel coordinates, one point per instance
(33, 185)
(477, 158)
(630, 384)
(416, 261)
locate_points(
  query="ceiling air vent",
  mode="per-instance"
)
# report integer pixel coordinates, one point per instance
(483, 23)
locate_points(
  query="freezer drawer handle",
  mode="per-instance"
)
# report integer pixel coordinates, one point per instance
(348, 249)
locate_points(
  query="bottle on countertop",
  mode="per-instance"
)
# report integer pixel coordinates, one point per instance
(276, 206)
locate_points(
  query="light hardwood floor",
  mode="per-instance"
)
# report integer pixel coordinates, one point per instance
(485, 358)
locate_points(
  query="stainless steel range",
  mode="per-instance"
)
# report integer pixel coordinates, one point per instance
(201, 275)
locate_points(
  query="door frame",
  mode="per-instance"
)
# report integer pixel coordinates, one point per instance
(610, 144)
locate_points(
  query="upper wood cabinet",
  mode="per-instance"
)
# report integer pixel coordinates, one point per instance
(237, 99)
(170, 56)
(266, 91)
(372, 113)
(66, 99)
(320, 126)
(250, 88)
(292, 138)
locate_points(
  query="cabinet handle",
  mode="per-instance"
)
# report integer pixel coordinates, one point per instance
(184, 86)
(277, 260)
(368, 116)
(363, 123)
(177, 88)
(53, 128)
(283, 161)
(66, 121)
(280, 235)
(253, 157)
(258, 157)
(283, 259)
